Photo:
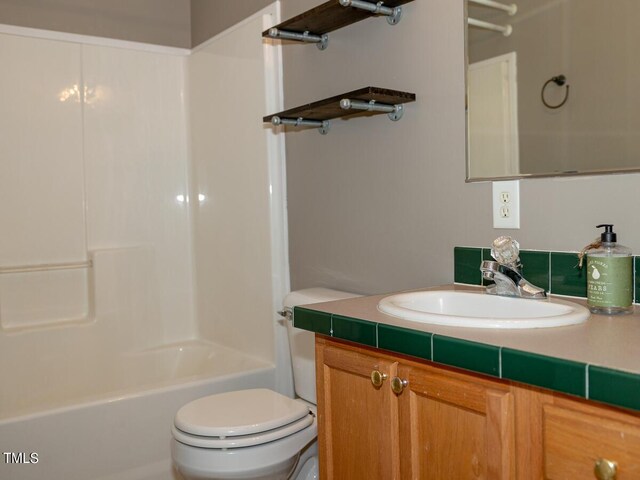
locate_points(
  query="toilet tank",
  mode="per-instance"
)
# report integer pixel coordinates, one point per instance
(301, 342)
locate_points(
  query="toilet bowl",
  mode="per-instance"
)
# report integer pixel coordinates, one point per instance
(245, 434)
(258, 433)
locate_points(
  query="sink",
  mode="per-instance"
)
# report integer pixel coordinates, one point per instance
(479, 310)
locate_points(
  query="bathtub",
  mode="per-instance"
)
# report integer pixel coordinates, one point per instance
(108, 417)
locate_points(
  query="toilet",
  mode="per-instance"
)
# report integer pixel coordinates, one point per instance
(256, 434)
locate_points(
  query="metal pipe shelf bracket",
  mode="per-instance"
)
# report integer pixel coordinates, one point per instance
(323, 125)
(394, 112)
(321, 41)
(393, 14)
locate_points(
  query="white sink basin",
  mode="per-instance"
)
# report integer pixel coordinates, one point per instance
(477, 310)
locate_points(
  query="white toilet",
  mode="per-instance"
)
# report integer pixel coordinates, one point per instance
(256, 434)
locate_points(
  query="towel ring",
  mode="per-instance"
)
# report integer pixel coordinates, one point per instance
(560, 80)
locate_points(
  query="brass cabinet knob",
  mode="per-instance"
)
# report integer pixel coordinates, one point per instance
(397, 385)
(377, 378)
(605, 469)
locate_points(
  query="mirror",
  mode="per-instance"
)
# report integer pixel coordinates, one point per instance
(552, 89)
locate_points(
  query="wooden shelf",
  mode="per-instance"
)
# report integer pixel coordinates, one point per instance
(328, 17)
(330, 108)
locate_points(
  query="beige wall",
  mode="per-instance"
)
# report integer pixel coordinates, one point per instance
(178, 23)
(164, 22)
(378, 206)
(210, 17)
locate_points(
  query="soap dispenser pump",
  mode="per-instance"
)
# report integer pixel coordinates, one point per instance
(610, 276)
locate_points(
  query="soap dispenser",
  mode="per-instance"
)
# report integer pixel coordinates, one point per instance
(610, 276)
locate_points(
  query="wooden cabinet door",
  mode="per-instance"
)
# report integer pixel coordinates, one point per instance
(454, 426)
(575, 441)
(565, 439)
(357, 422)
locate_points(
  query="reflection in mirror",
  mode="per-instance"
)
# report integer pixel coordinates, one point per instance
(553, 88)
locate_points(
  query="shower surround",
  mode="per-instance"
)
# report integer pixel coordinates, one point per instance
(132, 277)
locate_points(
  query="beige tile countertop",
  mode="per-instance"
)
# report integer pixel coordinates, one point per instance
(607, 341)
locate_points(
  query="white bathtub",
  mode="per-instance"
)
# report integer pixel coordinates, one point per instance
(109, 417)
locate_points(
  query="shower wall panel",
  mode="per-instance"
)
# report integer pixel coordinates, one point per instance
(42, 202)
(94, 159)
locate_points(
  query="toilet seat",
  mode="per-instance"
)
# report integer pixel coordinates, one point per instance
(242, 440)
(241, 418)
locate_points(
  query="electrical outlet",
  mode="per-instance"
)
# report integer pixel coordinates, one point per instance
(506, 204)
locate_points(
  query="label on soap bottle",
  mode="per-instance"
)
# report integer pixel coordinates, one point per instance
(609, 281)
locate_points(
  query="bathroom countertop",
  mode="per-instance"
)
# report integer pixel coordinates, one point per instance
(597, 360)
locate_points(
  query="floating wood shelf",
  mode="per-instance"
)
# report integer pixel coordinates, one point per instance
(313, 25)
(371, 100)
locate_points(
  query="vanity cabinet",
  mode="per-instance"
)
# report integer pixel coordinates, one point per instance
(382, 416)
(386, 418)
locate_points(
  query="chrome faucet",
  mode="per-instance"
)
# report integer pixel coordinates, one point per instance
(506, 271)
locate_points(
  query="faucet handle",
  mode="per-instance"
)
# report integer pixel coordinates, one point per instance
(506, 250)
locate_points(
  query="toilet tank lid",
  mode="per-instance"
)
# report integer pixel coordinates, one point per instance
(315, 295)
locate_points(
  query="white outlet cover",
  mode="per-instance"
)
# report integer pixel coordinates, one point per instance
(512, 188)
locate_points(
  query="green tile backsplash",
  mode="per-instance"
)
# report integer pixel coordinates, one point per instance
(556, 272)
(467, 265)
(566, 277)
(535, 267)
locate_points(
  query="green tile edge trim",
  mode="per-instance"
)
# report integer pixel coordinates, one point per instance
(564, 376)
(405, 341)
(474, 356)
(354, 330)
(614, 387)
(312, 320)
